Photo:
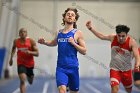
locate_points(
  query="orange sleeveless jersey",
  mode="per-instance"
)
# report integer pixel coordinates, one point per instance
(23, 58)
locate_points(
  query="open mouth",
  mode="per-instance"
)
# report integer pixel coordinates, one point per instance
(69, 18)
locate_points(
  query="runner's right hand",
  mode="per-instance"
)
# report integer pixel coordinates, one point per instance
(41, 40)
(88, 24)
(11, 62)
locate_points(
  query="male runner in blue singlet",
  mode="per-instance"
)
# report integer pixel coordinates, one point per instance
(69, 41)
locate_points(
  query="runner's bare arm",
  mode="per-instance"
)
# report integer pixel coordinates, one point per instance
(97, 34)
(81, 43)
(48, 43)
(34, 51)
(135, 52)
(12, 52)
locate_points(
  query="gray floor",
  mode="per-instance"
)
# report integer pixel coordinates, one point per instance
(48, 85)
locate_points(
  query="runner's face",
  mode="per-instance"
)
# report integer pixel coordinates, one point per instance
(121, 37)
(70, 17)
(23, 33)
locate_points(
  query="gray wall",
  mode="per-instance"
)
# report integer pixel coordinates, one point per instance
(0, 7)
(105, 14)
(37, 16)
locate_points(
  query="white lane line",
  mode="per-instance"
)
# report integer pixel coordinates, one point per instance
(45, 87)
(18, 89)
(93, 88)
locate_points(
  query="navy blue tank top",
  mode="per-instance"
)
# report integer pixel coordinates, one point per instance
(67, 53)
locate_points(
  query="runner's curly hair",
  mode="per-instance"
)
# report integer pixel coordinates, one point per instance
(76, 13)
